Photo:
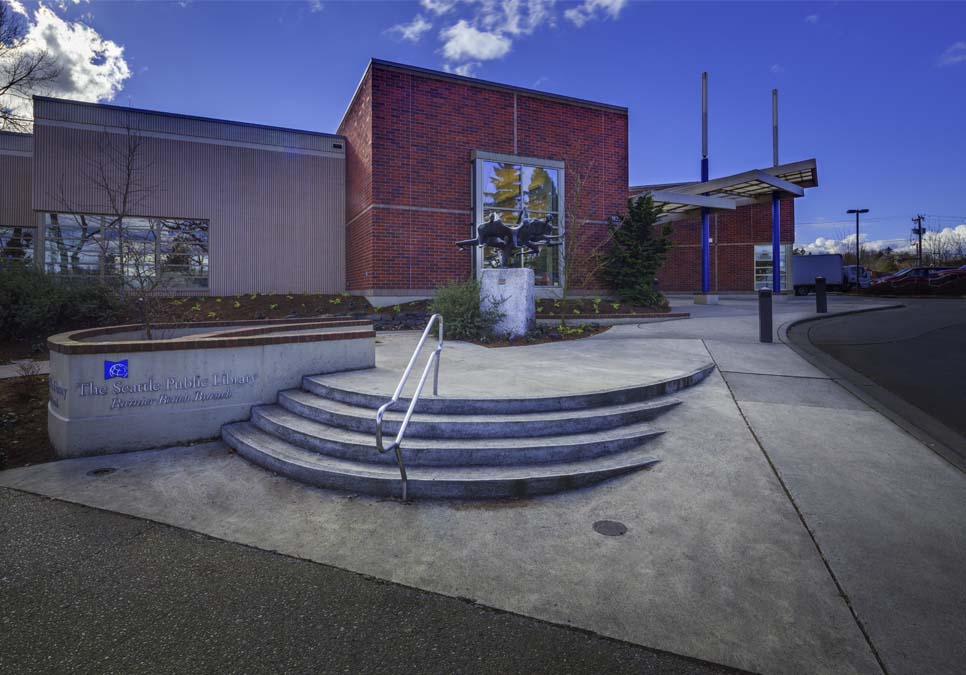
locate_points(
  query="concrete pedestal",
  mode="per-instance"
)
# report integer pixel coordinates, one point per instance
(511, 291)
(705, 299)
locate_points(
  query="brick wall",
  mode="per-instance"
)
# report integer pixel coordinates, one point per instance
(734, 234)
(410, 137)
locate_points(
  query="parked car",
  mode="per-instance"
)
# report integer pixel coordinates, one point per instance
(950, 276)
(911, 278)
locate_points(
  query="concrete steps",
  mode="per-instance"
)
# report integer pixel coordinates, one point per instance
(492, 425)
(353, 445)
(465, 482)
(323, 386)
(324, 435)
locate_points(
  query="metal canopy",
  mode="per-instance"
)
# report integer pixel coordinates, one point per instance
(730, 192)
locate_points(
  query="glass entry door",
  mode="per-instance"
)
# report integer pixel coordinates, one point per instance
(764, 266)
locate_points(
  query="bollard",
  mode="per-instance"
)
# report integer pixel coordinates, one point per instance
(764, 315)
(821, 300)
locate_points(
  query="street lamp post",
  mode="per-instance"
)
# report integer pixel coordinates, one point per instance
(857, 212)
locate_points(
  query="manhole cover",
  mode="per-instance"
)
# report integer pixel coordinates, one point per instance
(610, 528)
(103, 471)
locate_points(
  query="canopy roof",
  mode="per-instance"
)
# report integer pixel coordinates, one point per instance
(730, 192)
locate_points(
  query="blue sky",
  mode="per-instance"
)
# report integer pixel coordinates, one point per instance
(875, 91)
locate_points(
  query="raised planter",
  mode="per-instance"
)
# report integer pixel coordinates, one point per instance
(113, 390)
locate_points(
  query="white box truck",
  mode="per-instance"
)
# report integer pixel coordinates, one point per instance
(806, 267)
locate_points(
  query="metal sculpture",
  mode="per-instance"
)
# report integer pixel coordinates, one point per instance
(527, 237)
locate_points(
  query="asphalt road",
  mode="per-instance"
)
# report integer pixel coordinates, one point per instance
(83, 590)
(917, 353)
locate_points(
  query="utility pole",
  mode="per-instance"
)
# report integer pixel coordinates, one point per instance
(919, 231)
(857, 250)
(776, 211)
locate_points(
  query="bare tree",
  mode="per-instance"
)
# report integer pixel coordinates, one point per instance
(938, 247)
(581, 255)
(117, 174)
(23, 71)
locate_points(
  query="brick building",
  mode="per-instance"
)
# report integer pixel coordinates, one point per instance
(376, 208)
(425, 151)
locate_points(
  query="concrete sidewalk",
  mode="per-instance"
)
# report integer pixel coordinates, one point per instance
(788, 528)
(12, 369)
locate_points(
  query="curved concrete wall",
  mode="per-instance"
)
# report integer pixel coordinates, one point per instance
(183, 389)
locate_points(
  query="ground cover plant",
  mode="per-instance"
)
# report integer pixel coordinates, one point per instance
(463, 318)
(34, 305)
(589, 308)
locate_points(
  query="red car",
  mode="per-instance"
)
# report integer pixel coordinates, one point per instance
(946, 277)
(911, 277)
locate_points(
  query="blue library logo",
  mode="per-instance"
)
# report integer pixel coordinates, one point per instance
(114, 369)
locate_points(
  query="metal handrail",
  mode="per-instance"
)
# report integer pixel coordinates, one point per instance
(433, 359)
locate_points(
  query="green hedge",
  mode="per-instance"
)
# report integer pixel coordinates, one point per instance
(34, 305)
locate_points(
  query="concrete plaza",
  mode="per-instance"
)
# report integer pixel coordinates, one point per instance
(787, 528)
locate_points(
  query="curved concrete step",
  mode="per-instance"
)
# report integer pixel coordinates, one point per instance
(555, 423)
(354, 445)
(289, 460)
(329, 388)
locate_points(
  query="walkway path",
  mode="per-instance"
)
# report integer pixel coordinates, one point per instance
(788, 527)
(89, 591)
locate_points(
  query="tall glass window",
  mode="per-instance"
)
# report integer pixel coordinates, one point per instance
(764, 266)
(17, 243)
(508, 187)
(140, 252)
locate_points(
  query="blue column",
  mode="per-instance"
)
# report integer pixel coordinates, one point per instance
(776, 246)
(705, 237)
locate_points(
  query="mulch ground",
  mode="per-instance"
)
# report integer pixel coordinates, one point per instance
(586, 309)
(277, 306)
(544, 334)
(23, 422)
(17, 350)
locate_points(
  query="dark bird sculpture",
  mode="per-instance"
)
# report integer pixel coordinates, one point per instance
(528, 236)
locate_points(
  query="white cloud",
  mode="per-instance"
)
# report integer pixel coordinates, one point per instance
(594, 9)
(463, 42)
(475, 31)
(315, 6)
(812, 18)
(17, 7)
(847, 244)
(517, 17)
(954, 54)
(413, 30)
(464, 69)
(777, 68)
(438, 6)
(92, 68)
(64, 4)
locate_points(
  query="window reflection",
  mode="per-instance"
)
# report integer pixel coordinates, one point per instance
(132, 250)
(17, 243)
(509, 189)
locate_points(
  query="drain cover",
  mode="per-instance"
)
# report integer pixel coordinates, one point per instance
(610, 528)
(103, 471)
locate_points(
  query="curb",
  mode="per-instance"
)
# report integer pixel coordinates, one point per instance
(917, 423)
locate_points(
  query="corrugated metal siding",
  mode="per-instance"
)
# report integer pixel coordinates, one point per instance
(276, 218)
(74, 112)
(15, 180)
(16, 142)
